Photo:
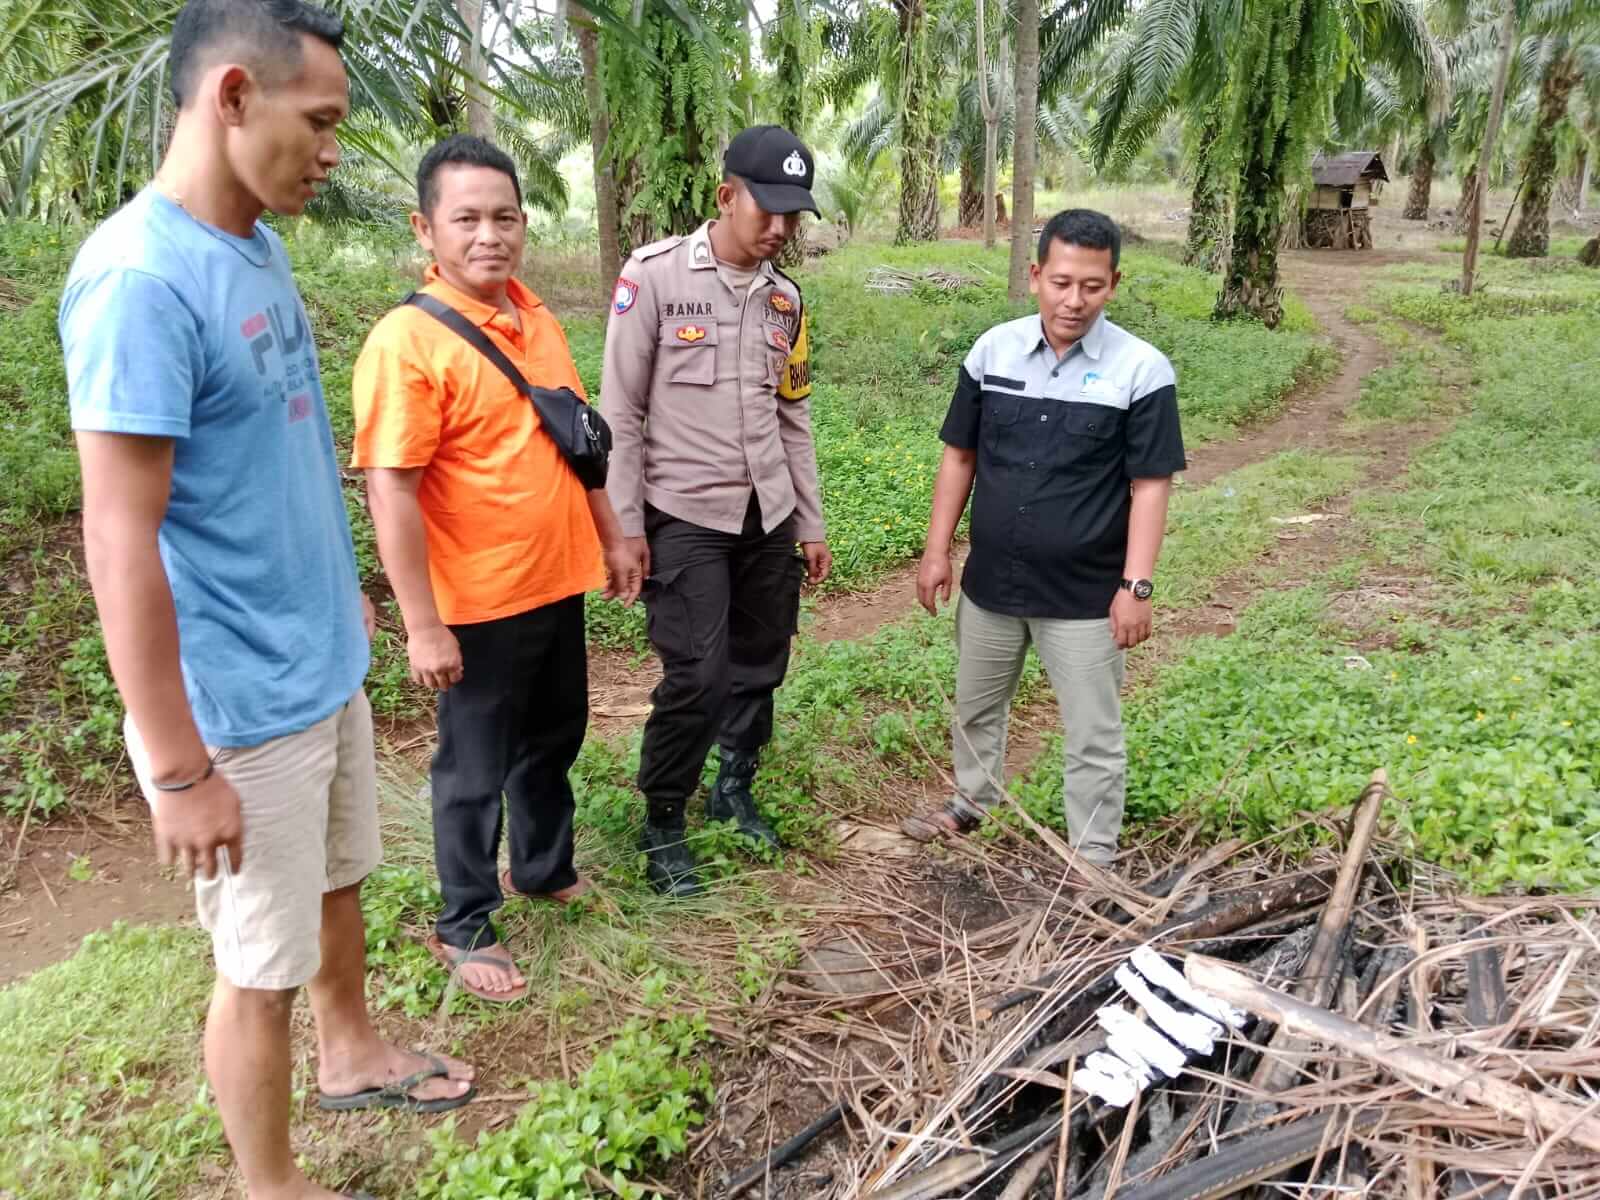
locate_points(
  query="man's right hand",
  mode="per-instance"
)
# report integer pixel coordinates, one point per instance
(435, 657)
(934, 578)
(192, 825)
(640, 548)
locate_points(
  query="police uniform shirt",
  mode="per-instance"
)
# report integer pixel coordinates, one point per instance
(1057, 442)
(706, 387)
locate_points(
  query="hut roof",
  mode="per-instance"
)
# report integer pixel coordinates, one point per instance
(1344, 170)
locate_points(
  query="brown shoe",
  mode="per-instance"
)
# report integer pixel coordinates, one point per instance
(567, 895)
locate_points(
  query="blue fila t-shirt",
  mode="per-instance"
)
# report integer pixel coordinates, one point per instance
(176, 329)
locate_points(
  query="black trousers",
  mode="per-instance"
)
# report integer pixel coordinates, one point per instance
(508, 734)
(721, 610)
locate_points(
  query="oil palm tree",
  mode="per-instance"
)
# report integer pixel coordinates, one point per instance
(1262, 80)
(84, 105)
(1565, 60)
(896, 47)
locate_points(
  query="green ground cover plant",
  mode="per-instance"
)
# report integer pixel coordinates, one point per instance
(1481, 702)
(1488, 737)
(103, 1096)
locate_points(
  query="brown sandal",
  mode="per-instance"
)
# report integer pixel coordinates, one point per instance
(453, 958)
(935, 824)
(567, 895)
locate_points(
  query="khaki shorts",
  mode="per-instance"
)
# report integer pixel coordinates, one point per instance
(309, 802)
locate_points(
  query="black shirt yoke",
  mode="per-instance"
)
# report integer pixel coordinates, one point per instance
(1058, 442)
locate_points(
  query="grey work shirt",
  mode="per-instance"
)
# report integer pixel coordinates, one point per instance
(707, 391)
(1058, 440)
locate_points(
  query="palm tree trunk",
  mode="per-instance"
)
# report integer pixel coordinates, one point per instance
(1531, 237)
(790, 71)
(1491, 133)
(1025, 151)
(991, 129)
(1421, 191)
(991, 151)
(1464, 205)
(1250, 282)
(919, 171)
(1210, 215)
(606, 217)
(1585, 173)
(969, 201)
(480, 111)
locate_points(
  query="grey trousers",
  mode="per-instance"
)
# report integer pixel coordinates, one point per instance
(1085, 669)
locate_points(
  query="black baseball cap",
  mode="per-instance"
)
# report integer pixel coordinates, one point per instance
(775, 165)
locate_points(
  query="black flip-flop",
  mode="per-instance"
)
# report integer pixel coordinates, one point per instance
(396, 1095)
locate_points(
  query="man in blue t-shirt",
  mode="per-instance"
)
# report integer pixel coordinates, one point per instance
(224, 574)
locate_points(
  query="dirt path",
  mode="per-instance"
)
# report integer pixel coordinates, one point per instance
(49, 911)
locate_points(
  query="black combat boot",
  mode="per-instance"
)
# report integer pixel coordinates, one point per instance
(669, 863)
(730, 799)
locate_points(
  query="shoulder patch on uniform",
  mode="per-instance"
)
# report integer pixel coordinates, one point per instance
(652, 249)
(622, 299)
(789, 279)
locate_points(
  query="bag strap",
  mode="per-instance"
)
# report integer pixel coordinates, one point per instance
(475, 337)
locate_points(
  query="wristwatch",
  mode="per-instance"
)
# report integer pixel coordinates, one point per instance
(1142, 589)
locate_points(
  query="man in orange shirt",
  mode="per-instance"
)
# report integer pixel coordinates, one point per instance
(490, 543)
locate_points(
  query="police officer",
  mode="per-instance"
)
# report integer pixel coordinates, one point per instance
(714, 480)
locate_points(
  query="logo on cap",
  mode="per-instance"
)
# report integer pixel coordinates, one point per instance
(794, 164)
(691, 334)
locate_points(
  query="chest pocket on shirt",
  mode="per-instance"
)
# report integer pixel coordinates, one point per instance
(1004, 431)
(1092, 430)
(689, 349)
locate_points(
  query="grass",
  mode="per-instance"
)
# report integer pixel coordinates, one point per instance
(1510, 500)
(1226, 525)
(100, 1097)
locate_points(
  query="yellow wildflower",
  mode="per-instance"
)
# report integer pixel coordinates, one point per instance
(1411, 739)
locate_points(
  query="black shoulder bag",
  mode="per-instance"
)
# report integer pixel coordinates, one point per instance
(579, 432)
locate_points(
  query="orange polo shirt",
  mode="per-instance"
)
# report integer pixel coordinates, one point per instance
(508, 523)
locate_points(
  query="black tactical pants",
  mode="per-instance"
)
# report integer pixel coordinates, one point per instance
(721, 610)
(508, 734)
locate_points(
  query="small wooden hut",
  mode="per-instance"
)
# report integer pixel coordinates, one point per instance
(1338, 214)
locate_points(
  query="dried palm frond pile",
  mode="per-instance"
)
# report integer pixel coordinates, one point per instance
(892, 280)
(1331, 1031)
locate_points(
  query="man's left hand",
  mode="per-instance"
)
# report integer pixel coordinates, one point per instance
(819, 561)
(369, 617)
(624, 573)
(1130, 619)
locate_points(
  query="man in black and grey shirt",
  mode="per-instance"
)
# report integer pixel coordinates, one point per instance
(1064, 434)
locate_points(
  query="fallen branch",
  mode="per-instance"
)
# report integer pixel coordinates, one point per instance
(785, 1153)
(1422, 1068)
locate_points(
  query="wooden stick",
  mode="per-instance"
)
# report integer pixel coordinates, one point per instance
(1319, 977)
(1460, 1085)
(1030, 1170)
(1420, 1169)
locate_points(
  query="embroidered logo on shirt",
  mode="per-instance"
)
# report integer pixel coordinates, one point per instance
(691, 334)
(780, 339)
(627, 292)
(781, 303)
